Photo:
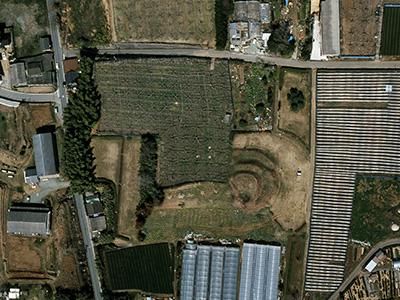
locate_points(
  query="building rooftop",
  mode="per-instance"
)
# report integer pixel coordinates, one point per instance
(98, 223)
(209, 271)
(71, 64)
(45, 43)
(45, 150)
(260, 269)
(18, 74)
(28, 220)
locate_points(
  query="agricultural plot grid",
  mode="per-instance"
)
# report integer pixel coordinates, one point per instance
(357, 132)
(186, 102)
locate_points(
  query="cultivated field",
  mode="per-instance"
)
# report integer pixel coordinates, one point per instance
(359, 26)
(390, 30)
(295, 123)
(117, 159)
(177, 21)
(252, 93)
(29, 19)
(147, 268)
(375, 206)
(207, 209)
(184, 101)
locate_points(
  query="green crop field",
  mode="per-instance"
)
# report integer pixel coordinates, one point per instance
(186, 102)
(148, 268)
(391, 30)
(375, 207)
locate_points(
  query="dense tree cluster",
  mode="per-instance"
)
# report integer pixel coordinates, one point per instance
(223, 9)
(279, 41)
(296, 99)
(81, 114)
(150, 192)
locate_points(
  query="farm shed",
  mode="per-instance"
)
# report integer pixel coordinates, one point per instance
(330, 23)
(30, 176)
(44, 146)
(18, 74)
(98, 224)
(145, 268)
(28, 220)
(260, 269)
(93, 205)
(213, 270)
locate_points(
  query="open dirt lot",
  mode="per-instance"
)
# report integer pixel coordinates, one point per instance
(117, 159)
(29, 19)
(25, 255)
(179, 21)
(296, 123)
(359, 26)
(289, 204)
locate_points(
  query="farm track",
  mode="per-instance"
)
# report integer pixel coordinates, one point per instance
(349, 141)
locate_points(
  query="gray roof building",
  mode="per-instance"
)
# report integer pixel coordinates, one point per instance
(209, 272)
(18, 74)
(265, 12)
(259, 276)
(330, 23)
(45, 43)
(98, 223)
(93, 205)
(28, 220)
(45, 151)
(30, 176)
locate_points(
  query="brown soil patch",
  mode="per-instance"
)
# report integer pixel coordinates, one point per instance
(117, 159)
(129, 187)
(289, 204)
(23, 255)
(359, 26)
(68, 277)
(37, 89)
(107, 151)
(295, 123)
(178, 21)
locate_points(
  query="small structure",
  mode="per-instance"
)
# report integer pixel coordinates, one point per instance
(98, 224)
(40, 69)
(250, 21)
(29, 220)
(71, 69)
(330, 23)
(45, 43)
(45, 150)
(30, 176)
(371, 265)
(95, 212)
(260, 269)
(14, 293)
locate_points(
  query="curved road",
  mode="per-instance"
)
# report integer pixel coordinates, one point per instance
(273, 60)
(356, 271)
(28, 97)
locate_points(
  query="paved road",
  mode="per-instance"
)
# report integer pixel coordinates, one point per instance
(331, 64)
(356, 271)
(27, 97)
(87, 240)
(47, 187)
(58, 55)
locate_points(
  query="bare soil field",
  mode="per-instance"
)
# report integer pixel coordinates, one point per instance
(289, 204)
(129, 195)
(359, 26)
(25, 255)
(117, 159)
(296, 123)
(107, 151)
(179, 21)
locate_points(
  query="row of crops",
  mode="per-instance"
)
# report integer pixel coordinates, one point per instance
(184, 101)
(391, 30)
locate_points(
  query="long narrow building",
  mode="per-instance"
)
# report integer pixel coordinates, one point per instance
(357, 132)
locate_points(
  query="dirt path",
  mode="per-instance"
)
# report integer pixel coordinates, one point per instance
(109, 10)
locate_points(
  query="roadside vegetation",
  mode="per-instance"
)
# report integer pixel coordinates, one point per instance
(107, 193)
(375, 208)
(81, 114)
(83, 23)
(280, 41)
(223, 9)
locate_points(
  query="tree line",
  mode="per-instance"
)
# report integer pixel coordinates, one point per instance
(80, 116)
